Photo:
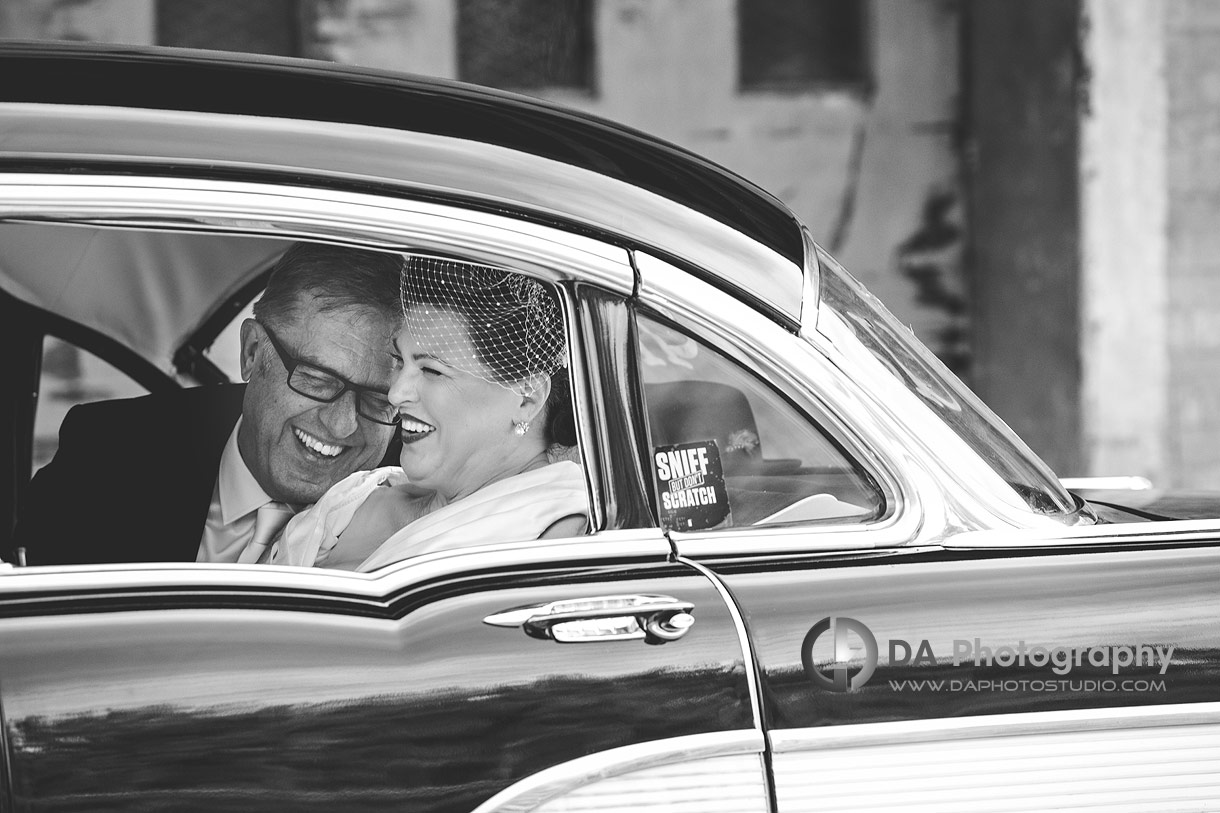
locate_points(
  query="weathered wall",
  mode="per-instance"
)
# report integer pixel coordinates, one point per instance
(1151, 286)
(1093, 159)
(1022, 70)
(1192, 67)
(1124, 283)
(875, 178)
(874, 175)
(127, 21)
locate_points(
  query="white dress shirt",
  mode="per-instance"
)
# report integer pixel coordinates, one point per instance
(236, 498)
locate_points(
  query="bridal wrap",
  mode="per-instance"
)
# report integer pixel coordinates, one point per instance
(516, 509)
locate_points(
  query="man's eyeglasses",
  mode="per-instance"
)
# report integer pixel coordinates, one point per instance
(327, 386)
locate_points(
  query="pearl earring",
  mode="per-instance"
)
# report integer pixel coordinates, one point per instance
(521, 427)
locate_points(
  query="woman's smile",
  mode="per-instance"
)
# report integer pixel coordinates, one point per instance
(412, 429)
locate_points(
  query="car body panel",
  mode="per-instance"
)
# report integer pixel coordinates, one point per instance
(987, 730)
(299, 697)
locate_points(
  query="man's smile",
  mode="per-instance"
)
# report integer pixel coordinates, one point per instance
(316, 445)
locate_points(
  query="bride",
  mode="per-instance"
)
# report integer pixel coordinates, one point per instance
(481, 388)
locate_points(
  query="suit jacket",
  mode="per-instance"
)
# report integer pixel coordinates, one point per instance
(132, 479)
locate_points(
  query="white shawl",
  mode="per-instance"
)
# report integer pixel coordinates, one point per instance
(515, 509)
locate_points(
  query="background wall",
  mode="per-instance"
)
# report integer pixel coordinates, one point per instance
(1030, 185)
(1022, 73)
(872, 170)
(1192, 72)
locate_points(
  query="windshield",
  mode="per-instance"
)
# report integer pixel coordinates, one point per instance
(930, 381)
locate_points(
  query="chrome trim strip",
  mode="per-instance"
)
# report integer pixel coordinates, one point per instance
(72, 580)
(1145, 759)
(584, 407)
(297, 212)
(743, 637)
(1163, 532)
(828, 738)
(536, 790)
(1114, 483)
(811, 287)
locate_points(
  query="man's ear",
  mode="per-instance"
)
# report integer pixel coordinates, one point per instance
(536, 390)
(248, 352)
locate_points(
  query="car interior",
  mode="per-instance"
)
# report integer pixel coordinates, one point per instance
(91, 313)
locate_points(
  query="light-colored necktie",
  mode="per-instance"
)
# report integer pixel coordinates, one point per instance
(269, 521)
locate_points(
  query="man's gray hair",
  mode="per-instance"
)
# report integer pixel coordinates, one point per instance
(336, 277)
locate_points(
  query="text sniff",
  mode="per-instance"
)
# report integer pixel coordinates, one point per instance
(681, 463)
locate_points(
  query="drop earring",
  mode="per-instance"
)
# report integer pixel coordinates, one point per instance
(520, 428)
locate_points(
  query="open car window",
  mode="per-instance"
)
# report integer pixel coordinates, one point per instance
(113, 308)
(729, 451)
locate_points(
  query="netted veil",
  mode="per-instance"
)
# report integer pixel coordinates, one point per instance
(514, 325)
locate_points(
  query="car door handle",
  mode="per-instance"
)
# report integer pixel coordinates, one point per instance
(653, 618)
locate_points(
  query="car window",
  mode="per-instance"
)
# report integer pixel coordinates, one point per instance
(729, 451)
(71, 376)
(896, 348)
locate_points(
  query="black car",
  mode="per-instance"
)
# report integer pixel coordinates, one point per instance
(895, 604)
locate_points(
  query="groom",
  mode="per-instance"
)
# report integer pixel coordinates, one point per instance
(191, 475)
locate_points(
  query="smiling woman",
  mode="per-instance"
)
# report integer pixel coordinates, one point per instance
(481, 388)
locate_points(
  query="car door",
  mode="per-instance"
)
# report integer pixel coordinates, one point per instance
(910, 653)
(426, 690)
(583, 671)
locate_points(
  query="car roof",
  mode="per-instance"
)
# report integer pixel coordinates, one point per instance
(567, 163)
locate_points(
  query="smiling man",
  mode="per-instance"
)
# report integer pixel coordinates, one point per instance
(208, 474)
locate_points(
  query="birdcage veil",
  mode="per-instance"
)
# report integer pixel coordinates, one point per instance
(513, 323)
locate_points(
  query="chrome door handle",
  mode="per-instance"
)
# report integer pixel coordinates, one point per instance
(653, 618)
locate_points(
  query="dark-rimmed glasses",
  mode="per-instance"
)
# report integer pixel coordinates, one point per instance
(319, 384)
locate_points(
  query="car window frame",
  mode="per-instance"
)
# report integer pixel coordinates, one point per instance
(812, 416)
(735, 329)
(581, 267)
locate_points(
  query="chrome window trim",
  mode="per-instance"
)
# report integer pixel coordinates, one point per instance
(397, 160)
(1169, 531)
(811, 293)
(826, 738)
(53, 582)
(289, 212)
(912, 513)
(536, 790)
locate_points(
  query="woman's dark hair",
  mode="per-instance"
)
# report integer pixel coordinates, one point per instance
(560, 418)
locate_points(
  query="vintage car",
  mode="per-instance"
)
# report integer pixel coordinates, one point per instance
(820, 573)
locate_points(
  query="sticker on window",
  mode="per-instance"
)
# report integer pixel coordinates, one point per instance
(690, 484)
